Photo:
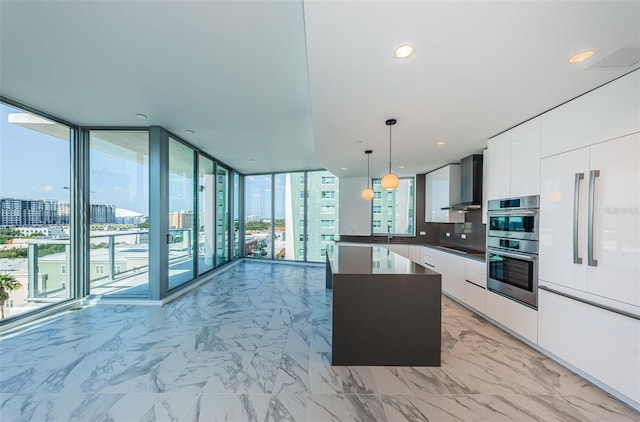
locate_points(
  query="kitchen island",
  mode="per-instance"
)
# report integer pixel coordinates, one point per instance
(386, 308)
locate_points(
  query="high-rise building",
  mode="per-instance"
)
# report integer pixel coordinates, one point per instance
(10, 212)
(28, 212)
(64, 212)
(181, 219)
(103, 214)
(321, 218)
(393, 211)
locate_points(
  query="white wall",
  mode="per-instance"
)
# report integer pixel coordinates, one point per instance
(355, 212)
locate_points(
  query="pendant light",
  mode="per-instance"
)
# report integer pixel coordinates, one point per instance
(367, 193)
(390, 181)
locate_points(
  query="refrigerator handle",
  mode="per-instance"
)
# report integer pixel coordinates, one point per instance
(592, 191)
(576, 206)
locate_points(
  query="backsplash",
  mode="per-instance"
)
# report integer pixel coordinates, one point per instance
(472, 229)
(436, 233)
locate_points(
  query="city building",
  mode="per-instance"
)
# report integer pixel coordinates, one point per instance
(181, 219)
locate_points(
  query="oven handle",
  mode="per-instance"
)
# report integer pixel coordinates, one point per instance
(499, 213)
(512, 255)
(576, 206)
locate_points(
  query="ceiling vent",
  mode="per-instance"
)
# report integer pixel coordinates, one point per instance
(626, 57)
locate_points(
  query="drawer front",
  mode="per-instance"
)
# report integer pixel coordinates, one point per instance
(476, 297)
(476, 272)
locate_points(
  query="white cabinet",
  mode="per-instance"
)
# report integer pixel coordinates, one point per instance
(453, 276)
(443, 189)
(603, 344)
(513, 167)
(519, 318)
(475, 292)
(616, 220)
(416, 253)
(525, 159)
(452, 269)
(499, 166)
(434, 260)
(485, 198)
(605, 113)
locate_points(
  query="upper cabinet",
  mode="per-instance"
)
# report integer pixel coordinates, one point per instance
(443, 189)
(608, 112)
(485, 157)
(513, 162)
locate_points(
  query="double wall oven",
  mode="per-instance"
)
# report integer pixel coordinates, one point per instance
(512, 248)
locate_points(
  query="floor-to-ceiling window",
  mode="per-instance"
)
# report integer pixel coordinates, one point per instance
(182, 239)
(119, 210)
(289, 216)
(236, 215)
(393, 211)
(304, 219)
(258, 216)
(222, 215)
(206, 206)
(34, 211)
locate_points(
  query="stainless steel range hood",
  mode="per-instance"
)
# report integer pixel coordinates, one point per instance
(471, 184)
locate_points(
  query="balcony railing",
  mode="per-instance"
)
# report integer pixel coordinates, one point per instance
(118, 265)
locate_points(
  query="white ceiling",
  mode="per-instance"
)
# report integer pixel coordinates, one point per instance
(291, 85)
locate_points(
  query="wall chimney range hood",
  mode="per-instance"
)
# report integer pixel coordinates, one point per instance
(471, 184)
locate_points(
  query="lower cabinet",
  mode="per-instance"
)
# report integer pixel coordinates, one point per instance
(604, 344)
(519, 318)
(453, 275)
(416, 254)
(475, 288)
(476, 297)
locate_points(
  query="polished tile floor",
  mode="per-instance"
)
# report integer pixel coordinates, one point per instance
(254, 344)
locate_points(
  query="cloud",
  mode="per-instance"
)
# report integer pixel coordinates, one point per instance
(44, 188)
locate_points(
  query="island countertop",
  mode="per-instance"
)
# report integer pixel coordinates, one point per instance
(348, 259)
(386, 308)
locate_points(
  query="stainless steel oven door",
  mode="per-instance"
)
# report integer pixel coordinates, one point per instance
(516, 224)
(514, 275)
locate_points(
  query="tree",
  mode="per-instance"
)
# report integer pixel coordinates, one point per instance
(7, 284)
(143, 225)
(8, 234)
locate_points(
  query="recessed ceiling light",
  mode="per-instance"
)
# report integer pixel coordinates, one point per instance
(343, 168)
(403, 51)
(402, 167)
(441, 143)
(141, 116)
(190, 131)
(358, 142)
(581, 56)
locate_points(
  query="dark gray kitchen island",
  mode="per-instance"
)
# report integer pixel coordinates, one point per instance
(386, 308)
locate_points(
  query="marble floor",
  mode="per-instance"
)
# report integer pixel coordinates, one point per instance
(253, 344)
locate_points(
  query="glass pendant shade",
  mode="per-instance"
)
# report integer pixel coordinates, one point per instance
(367, 194)
(390, 181)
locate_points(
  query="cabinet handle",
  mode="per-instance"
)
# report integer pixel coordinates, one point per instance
(576, 207)
(429, 265)
(592, 192)
(475, 284)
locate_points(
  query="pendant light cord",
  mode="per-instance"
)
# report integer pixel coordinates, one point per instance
(368, 177)
(389, 148)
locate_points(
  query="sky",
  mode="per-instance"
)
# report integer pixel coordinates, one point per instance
(34, 165)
